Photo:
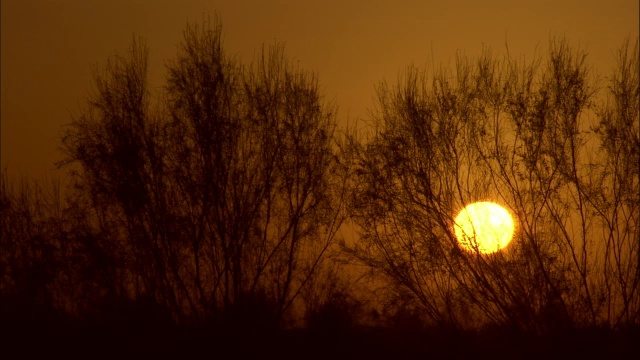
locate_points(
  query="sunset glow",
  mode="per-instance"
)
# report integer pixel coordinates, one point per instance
(484, 226)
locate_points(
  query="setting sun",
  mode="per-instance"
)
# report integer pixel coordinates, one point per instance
(484, 226)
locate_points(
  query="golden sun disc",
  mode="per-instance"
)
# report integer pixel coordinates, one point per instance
(484, 226)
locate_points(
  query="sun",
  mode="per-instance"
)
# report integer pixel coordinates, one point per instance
(484, 226)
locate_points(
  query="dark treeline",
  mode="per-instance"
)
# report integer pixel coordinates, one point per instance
(213, 207)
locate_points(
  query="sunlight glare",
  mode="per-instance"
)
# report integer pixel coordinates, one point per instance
(484, 226)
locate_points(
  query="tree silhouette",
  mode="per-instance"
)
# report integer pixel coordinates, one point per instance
(226, 192)
(521, 134)
(208, 211)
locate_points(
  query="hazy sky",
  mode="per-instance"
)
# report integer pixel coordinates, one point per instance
(50, 47)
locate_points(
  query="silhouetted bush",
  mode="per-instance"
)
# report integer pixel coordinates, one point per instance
(339, 313)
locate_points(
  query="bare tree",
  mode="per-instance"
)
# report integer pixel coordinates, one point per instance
(224, 195)
(519, 134)
(116, 149)
(615, 195)
(47, 266)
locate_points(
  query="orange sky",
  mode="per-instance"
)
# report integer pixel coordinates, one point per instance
(49, 47)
